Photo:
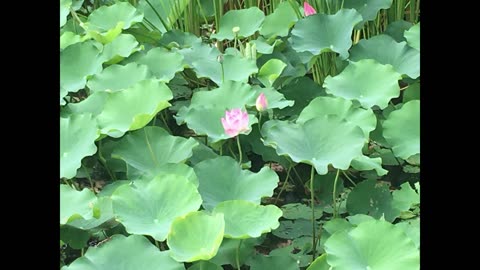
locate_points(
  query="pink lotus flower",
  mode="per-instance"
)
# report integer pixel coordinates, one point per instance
(308, 10)
(235, 122)
(261, 102)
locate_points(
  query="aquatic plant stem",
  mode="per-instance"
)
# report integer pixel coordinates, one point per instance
(284, 184)
(237, 255)
(312, 202)
(334, 194)
(239, 151)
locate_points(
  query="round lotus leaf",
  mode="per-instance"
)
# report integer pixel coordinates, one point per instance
(244, 219)
(412, 92)
(104, 214)
(169, 168)
(367, 81)
(198, 54)
(291, 229)
(413, 36)
(265, 46)
(405, 198)
(64, 11)
(151, 148)
(196, 236)
(367, 8)
(105, 18)
(396, 30)
(385, 50)
(117, 77)
(78, 133)
(75, 204)
(320, 141)
(280, 21)
(401, 129)
(149, 207)
(373, 198)
(343, 108)
(231, 182)
(162, 63)
(302, 91)
(320, 263)
(180, 38)
(122, 46)
(262, 262)
(126, 253)
(205, 265)
(389, 248)
(331, 32)
(270, 71)
(364, 163)
(78, 61)
(74, 237)
(69, 38)
(247, 20)
(412, 229)
(300, 211)
(129, 109)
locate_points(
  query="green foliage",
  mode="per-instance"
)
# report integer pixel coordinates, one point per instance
(325, 176)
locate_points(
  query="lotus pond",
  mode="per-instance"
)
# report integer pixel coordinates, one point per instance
(239, 134)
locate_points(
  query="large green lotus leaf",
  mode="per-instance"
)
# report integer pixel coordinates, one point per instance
(367, 8)
(367, 81)
(262, 262)
(248, 20)
(372, 198)
(169, 168)
(200, 54)
(69, 38)
(117, 77)
(404, 198)
(389, 248)
(231, 182)
(264, 46)
(412, 92)
(179, 38)
(320, 141)
(64, 10)
(320, 106)
(121, 47)
(105, 18)
(151, 148)
(93, 104)
(146, 207)
(77, 62)
(320, 263)
(359, 218)
(104, 206)
(130, 110)
(270, 71)
(108, 189)
(196, 236)
(280, 21)
(413, 36)
(291, 229)
(200, 153)
(302, 91)
(78, 133)
(74, 237)
(396, 30)
(75, 204)
(412, 229)
(385, 50)
(227, 253)
(205, 265)
(300, 250)
(401, 129)
(162, 63)
(125, 253)
(255, 219)
(331, 32)
(364, 163)
(300, 211)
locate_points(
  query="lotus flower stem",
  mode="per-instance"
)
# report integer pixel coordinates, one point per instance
(239, 151)
(312, 202)
(334, 194)
(284, 184)
(237, 255)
